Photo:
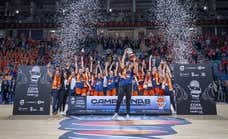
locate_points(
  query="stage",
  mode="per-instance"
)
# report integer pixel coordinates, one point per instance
(194, 127)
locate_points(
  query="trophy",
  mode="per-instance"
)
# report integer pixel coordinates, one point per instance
(130, 53)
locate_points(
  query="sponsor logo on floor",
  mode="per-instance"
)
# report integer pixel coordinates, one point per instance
(102, 127)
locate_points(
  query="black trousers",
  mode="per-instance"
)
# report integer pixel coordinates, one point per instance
(5, 95)
(55, 100)
(62, 100)
(171, 94)
(124, 91)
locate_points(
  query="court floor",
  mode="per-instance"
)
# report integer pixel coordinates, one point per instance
(42, 127)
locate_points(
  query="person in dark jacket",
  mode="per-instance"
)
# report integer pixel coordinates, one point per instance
(63, 92)
(5, 89)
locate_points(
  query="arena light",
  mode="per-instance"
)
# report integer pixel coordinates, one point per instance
(191, 29)
(17, 11)
(205, 8)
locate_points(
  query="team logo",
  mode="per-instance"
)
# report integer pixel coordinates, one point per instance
(40, 102)
(22, 102)
(181, 68)
(73, 100)
(161, 102)
(101, 127)
(201, 67)
(35, 73)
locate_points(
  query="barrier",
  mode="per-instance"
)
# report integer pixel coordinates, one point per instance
(79, 105)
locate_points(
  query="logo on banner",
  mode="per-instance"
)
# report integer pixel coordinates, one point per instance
(22, 102)
(181, 68)
(201, 67)
(161, 102)
(72, 100)
(35, 74)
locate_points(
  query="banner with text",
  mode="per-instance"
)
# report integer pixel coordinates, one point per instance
(194, 89)
(32, 91)
(107, 104)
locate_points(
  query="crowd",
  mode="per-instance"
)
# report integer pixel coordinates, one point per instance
(100, 57)
(213, 47)
(19, 51)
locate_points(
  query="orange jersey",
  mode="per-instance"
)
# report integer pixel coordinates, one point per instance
(140, 76)
(156, 77)
(56, 82)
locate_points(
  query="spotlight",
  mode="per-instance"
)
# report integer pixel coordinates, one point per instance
(205, 8)
(191, 29)
(110, 10)
(17, 11)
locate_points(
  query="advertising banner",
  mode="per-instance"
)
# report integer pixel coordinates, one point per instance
(107, 104)
(193, 86)
(32, 91)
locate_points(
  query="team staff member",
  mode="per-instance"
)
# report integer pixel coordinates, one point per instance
(5, 89)
(55, 88)
(72, 83)
(125, 87)
(63, 92)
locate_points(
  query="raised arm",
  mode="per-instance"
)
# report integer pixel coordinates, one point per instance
(99, 67)
(91, 64)
(82, 63)
(143, 66)
(123, 59)
(106, 68)
(76, 64)
(96, 70)
(150, 60)
(116, 70)
(110, 68)
(136, 66)
(168, 71)
(50, 74)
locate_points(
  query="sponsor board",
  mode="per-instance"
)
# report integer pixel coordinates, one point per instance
(194, 89)
(32, 91)
(107, 104)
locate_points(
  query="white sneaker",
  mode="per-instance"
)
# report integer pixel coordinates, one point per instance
(127, 117)
(115, 116)
(174, 112)
(62, 113)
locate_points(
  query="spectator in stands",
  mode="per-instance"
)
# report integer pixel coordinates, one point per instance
(195, 56)
(0, 88)
(226, 90)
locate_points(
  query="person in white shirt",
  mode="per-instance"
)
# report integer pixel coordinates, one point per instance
(72, 83)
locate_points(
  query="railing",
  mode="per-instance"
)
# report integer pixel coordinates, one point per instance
(104, 24)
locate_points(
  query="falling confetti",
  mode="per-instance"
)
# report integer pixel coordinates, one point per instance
(176, 22)
(78, 21)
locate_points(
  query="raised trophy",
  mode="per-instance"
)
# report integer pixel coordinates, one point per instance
(130, 54)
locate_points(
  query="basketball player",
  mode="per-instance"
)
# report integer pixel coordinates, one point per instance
(125, 86)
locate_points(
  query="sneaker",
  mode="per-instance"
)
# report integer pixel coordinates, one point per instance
(174, 112)
(115, 116)
(127, 117)
(55, 113)
(62, 113)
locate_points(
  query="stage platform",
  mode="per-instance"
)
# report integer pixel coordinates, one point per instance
(178, 127)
